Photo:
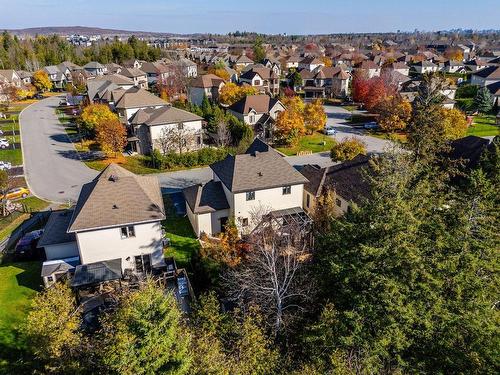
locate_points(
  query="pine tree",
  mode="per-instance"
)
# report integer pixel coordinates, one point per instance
(483, 100)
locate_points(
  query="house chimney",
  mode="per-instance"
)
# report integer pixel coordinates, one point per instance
(260, 174)
(113, 178)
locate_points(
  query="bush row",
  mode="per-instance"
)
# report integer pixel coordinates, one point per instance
(172, 160)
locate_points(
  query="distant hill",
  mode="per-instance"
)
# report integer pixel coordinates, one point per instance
(82, 30)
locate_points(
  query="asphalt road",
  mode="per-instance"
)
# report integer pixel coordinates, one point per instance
(337, 117)
(54, 171)
(51, 164)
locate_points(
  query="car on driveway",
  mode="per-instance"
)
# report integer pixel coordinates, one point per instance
(5, 165)
(4, 143)
(330, 131)
(26, 247)
(16, 193)
(371, 125)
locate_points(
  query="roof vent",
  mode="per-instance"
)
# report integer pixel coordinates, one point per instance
(256, 153)
(113, 178)
(115, 207)
(260, 174)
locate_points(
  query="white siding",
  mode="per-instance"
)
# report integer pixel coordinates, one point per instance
(106, 244)
(61, 251)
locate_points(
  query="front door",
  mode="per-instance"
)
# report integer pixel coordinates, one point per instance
(223, 222)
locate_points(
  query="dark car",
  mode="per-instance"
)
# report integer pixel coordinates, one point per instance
(38, 96)
(26, 246)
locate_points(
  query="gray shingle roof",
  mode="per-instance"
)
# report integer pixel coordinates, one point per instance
(136, 97)
(256, 171)
(163, 115)
(206, 198)
(56, 229)
(260, 103)
(117, 197)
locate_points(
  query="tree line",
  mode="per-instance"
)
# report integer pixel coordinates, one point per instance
(34, 53)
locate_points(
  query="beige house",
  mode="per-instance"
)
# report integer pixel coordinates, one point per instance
(245, 187)
(139, 77)
(345, 180)
(128, 102)
(117, 219)
(208, 85)
(265, 80)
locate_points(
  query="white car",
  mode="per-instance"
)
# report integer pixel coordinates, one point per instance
(5, 165)
(330, 131)
(4, 143)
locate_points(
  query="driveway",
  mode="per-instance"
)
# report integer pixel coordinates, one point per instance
(338, 116)
(52, 167)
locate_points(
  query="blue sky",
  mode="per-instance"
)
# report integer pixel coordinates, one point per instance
(266, 16)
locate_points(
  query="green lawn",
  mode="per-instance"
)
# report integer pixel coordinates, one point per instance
(313, 142)
(183, 242)
(18, 284)
(11, 222)
(6, 125)
(484, 126)
(15, 157)
(136, 164)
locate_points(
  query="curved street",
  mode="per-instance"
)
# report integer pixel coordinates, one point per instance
(52, 167)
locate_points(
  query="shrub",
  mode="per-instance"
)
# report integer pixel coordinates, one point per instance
(173, 160)
(347, 149)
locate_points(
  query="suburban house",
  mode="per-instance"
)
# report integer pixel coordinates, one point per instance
(272, 64)
(293, 62)
(58, 77)
(245, 187)
(265, 80)
(486, 76)
(310, 63)
(165, 128)
(155, 71)
(95, 68)
(346, 180)
(208, 85)
(451, 66)
(128, 102)
(242, 62)
(137, 75)
(259, 111)
(475, 65)
(425, 66)
(117, 219)
(188, 68)
(327, 82)
(370, 68)
(399, 67)
(10, 77)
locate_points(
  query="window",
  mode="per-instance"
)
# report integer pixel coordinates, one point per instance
(338, 202)
(308, 200)
(198, 140)
(287, 190)
(257, 82)
(50, 279)
(127, 232)
(180, 125)
(250, 195)
(251, 119)
(244, 222)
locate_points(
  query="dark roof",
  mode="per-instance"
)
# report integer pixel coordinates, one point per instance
(117, 197)
(95, 273)
(56, 229)
(59, 266)
(259, 146)
(256, 170)
(469, 148)
(206, 198)
(491, 72)
(347, 179)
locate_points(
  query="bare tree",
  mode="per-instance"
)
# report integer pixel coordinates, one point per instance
(273, 276)
(177, 139)
(224, 137)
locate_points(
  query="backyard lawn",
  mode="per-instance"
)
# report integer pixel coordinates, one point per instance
(11, 222)
(484, 126)
(183, 242)
(18, 284)
(312, 142)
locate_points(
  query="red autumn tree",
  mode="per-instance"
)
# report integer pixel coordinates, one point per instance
(360, 87)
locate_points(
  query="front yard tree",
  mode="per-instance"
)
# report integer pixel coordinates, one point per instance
(394, 113)
(289, 126)
(454, 123)
(314, 116)
(41, 81)
(231, 93)
(95, 114)
(146, 335)
(347, 149)
(483, 100)
(112, 136)
(296, 80)
(52, 329)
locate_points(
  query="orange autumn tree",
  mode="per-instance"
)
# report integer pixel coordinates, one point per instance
(219, 72)
(290, 123)
(231, 93)
(314, 116)
(112, 136)
(394, 113)
(94, 114)
(326, 60)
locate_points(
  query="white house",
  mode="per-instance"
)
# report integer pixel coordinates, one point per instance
(95, 68)
(208, 85)
(486, 76)
(117, 219)
(425, 66)
(139, 77)
(252, 108)
(151, 127)
(128, 102)
(310, 63)
(371, 69)
(244, 187)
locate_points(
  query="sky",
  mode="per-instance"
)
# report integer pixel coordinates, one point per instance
(264, 16)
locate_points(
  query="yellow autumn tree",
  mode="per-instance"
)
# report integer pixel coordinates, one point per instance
(219, 72)
(395, 113)
(347, 149)
(111, 135)
(41, 81)
(454, 122)
(94, 114)
(314, 116)
(326, 60)
(289, 127)
(231, 93)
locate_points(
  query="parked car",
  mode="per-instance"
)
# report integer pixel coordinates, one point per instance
(1, 132)
(4, 143)
(5, 165)
(16, 193)
(38, 96)
(63, 103)
(329, 130)
(26, 247)
(371, 125)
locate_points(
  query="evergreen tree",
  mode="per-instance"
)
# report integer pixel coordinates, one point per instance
(483, 100)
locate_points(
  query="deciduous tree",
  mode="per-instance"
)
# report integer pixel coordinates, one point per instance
(314, 116)
(395, 113)
(347, 149)
(111, 135)
(231, 93)
(94, 114)
(454, 123)
(41, 81)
